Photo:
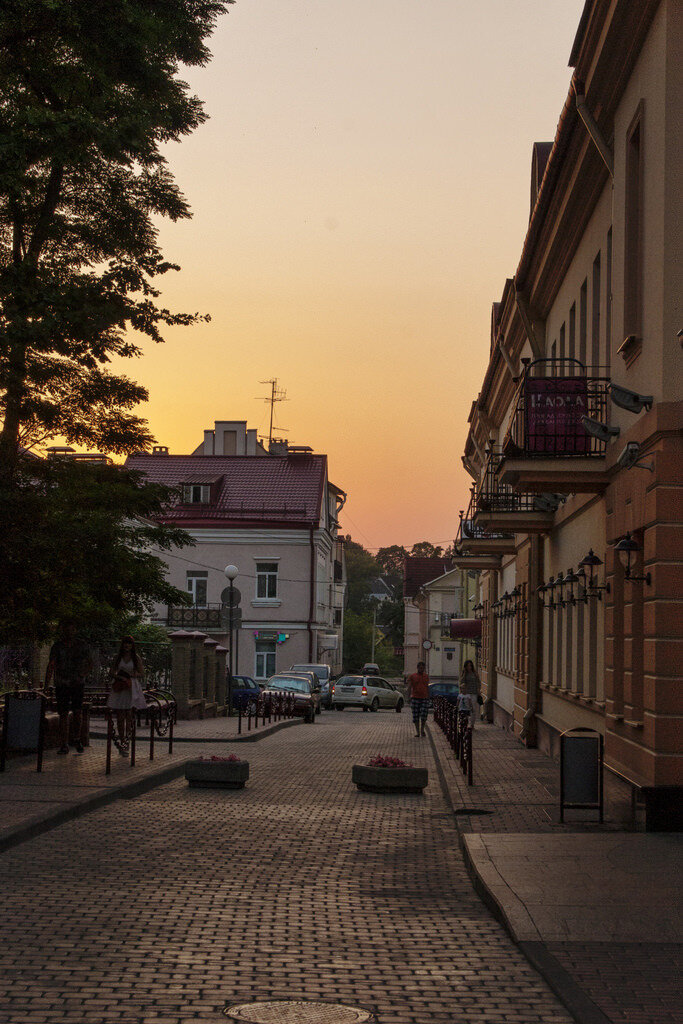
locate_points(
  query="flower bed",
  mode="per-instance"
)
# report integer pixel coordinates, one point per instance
(229, 772)
(389, 775)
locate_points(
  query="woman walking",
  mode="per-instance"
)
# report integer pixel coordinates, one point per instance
(126, 694)
(470, 691)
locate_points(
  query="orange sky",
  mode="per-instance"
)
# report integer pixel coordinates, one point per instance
(360, 194)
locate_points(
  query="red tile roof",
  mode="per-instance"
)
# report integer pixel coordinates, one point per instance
(255, 489)
(418, 571)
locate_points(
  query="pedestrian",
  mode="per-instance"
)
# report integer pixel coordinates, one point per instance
(69, 664)
(418, 695)
(470, 698)
(127, 672)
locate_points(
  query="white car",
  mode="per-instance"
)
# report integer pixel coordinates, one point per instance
(367, 692)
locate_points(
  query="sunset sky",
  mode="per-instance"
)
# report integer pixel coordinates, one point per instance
(360, 194)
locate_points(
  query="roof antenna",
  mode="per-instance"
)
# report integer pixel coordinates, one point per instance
(276, 395)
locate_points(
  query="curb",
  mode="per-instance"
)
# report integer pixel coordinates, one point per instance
(39, 824)
(248, 737)
(571, 995)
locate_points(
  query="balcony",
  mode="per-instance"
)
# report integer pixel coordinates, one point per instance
(547, 447)
(206, 618)
(474, 539)
(499, 511)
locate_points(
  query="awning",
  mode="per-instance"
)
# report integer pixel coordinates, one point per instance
(465, 629)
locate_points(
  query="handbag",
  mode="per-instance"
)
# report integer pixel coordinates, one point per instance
(480, 700)
(121, 683)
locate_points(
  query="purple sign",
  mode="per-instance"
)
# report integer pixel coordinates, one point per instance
(553, 410)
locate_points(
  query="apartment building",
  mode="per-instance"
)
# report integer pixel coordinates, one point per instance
(274, 515)
(575, 523)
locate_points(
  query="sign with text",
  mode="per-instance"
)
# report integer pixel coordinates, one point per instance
(553, 410)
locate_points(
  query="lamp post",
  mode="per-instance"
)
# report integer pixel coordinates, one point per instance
(231, 572)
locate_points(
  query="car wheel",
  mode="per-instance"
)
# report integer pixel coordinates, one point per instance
(375, 705)
(365, 707)
(310, 717)
(399, 706)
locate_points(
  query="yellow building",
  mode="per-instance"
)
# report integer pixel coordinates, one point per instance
(575, 439)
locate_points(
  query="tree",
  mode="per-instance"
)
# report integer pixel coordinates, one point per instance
(361, 570)
(77, 541)
(89, 93)
(425, 549)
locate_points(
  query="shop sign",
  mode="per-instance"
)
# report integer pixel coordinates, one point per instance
(553, 410)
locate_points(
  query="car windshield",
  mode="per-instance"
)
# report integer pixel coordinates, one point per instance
(321, 671)
(289, 683)
(349, 681)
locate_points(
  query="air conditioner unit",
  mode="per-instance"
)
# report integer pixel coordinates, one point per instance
(328, 641)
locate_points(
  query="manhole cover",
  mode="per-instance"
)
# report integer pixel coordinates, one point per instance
(297, 1012)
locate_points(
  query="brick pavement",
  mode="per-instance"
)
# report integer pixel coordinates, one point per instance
(610, 980)
(163, 908)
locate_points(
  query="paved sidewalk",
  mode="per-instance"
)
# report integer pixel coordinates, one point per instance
(32, 802)
(163, 909)
(598, 910)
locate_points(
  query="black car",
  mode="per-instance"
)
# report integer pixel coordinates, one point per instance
(448, 690)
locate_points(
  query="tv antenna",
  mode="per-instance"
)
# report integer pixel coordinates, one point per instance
(276, 395)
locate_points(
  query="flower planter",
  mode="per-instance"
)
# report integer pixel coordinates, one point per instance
(389, 780)
(217, 774)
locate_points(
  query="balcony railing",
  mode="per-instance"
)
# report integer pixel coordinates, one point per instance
(195, 617)
(553, 397)
(470, 530)
(494, 496)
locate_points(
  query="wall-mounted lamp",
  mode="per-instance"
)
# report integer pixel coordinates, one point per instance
(559, 583)
(569, 581)
(626, 548)
(591, 587)
(516, 596)
(550, 590)
(478, 611)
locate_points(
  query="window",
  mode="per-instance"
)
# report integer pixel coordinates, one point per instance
(337, 616)
(572, 334)
(265, 659)
(583, 321)
(633, 241)
(266, 579)
(595, 316)
(562, 345)
(608, 305)
(197, 583)
(196, 494)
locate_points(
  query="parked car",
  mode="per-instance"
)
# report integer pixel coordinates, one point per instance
(305, 700)
(448, 690)
(370, 669)
(315, 685)
(367, 692)
(245, 692)
(324, 676)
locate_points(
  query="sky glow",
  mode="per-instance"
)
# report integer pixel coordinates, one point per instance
(360, 193)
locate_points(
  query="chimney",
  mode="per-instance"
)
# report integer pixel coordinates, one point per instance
(160, 449)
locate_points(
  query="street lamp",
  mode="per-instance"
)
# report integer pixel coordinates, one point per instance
(231, 572)
(626, 548)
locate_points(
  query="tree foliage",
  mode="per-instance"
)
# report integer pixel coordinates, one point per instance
(89, 93)
(77, 542)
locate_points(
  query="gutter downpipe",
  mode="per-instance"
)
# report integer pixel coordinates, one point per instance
(592, 127)
(311, 595)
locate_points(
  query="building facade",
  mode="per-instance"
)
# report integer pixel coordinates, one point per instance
(272, 514)
(434, 595)
(575, 440)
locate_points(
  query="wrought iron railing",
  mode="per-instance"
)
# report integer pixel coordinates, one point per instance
(469, 529)
(553, 397)
(494, 496)
(195, 617)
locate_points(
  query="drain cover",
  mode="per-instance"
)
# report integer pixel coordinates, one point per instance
(291, 1011)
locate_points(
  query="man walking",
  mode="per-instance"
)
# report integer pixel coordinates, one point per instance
(418, 695)
(69, 662)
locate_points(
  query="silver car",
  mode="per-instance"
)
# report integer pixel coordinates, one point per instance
(367, 692)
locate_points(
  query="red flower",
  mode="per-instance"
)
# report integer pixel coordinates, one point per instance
(382, 761)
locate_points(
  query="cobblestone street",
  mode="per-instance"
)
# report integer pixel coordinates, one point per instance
(163, 908)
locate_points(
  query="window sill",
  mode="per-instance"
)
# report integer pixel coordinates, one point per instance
(266, 602)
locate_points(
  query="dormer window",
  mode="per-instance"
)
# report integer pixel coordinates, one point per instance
(196, 494)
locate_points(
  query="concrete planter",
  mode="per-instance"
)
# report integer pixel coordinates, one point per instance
(217, 774)
(389, 780)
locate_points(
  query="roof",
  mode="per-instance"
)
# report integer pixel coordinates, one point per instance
(283, 489)
(418, 571)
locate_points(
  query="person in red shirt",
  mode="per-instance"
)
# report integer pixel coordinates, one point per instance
(418, 695)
